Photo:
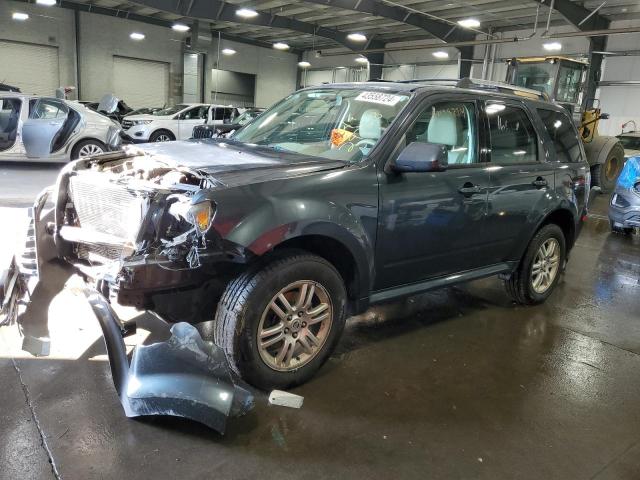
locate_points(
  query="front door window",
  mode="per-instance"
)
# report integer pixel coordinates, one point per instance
(451, 124)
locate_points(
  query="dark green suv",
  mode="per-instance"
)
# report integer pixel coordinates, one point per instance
(336, 198)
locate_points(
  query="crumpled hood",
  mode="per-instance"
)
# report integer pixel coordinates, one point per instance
(234, 164)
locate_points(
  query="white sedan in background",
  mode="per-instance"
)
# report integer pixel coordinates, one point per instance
(47, 129)
(175, 123)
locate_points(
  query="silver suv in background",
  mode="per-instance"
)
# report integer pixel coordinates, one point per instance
(52, 130)
(175, 123)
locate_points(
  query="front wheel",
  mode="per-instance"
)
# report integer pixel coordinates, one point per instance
(279, 322)
(539, 269)
(162, 136)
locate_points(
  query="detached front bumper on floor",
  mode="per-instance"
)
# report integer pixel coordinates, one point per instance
(184, 376)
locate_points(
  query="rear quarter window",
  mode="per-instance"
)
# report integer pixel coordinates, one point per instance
(563, 135)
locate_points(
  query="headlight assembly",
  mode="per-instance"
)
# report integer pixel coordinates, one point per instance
(200, 215)
(141, 122)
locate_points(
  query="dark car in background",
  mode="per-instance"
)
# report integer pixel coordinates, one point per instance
(631, 143)
(224, 130)
(340, 197)
(8, 88)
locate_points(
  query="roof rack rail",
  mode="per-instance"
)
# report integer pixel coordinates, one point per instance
(420, 80)
(501, 87)
(431, 80)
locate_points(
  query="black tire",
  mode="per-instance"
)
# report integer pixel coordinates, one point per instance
(159, 134)
(605, 175)
(519, 285)
(245, 299)
(85, 144)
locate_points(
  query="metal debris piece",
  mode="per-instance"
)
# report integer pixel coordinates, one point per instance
(184, 376)
(285, 399)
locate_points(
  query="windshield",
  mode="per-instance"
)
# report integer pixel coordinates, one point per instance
(537, 76)
(631, 143)
(170, 110)
(246, 117)
(331, 123)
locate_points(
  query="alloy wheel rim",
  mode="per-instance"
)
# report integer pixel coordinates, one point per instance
(295, 325)
(545, 265)
(89, 150)
(612, 169)
(163, 138)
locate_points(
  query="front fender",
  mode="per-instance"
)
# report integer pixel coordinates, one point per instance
(274, 223)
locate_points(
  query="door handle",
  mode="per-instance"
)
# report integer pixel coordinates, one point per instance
(540, 182)
(469, 189)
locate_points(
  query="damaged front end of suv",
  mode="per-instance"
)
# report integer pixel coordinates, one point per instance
(134, 224)
(138, 229)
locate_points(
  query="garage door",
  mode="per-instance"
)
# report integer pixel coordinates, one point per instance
(619, 100)
(141, 83)
(32, 68)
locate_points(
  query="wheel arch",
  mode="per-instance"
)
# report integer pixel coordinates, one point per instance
(565, 219)
(338, 254)
(163, 129)
(75, 143)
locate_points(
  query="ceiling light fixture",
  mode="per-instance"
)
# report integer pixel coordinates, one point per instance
(469, 23)
(47, 3)
(281, 46)
(137, 36)
(20, 16)
(552, 46)
(357, 37)
(304, 64)
(246, 13)
(362, 60)
(180, 27)
(228, 51)
(440, 54)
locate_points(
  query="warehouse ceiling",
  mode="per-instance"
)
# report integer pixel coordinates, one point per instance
(322, 16)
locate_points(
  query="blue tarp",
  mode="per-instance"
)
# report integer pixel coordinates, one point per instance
(630, 174)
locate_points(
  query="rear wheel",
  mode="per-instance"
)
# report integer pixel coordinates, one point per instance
(606, 174)
(279, 322)
(87, 148)
(162, 136)
(539, 269)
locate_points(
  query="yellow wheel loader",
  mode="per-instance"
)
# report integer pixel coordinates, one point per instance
(562, 79)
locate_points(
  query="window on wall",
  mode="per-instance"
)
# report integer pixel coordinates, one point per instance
(563, 134)
(451, 124)
(513, 139)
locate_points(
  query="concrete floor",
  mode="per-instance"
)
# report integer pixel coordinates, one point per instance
(458, 383)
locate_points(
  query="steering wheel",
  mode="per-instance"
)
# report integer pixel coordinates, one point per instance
(366, 142)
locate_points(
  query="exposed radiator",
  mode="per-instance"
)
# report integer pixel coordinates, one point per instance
(105, 207)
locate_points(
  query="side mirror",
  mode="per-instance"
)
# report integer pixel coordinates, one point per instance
(422, 157)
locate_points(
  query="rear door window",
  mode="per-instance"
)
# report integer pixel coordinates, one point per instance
(513, 138)
(48, 108)
(563, 135)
